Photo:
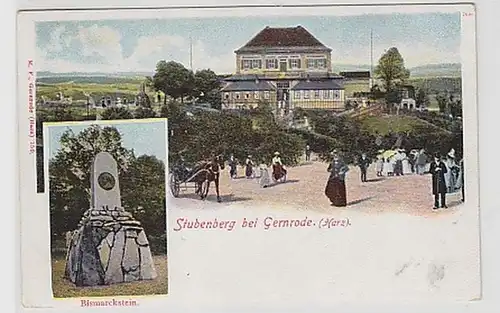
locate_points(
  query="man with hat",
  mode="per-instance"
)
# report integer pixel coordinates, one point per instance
(438, 170)
(363, 164)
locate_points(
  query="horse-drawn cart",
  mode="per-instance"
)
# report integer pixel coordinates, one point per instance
(182, 178)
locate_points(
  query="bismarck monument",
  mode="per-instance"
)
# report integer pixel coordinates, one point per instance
(109, 246)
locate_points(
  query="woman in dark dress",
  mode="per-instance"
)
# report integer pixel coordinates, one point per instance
(249, 167)
(335, 188)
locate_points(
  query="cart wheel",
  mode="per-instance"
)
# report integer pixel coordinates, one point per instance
(175, 186)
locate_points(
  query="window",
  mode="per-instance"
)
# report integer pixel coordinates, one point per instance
(246, 64)
(294, 63)
(266, 95)
(271, 64)
(306, 94)
(297, 94)
(316, 94)
(336, 94)
(256, 64)
(247, 95)
(283, 85)
(226, 95)
(237, 95)
(256, 95)
(316, 63)
(251, 64)
(326, 94)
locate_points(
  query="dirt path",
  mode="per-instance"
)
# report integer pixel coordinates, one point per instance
(304, 188)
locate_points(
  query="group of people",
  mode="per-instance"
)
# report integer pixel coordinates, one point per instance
(447, 173)
(398, 163)
(279, 170)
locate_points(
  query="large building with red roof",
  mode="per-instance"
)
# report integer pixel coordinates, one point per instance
(287, 67)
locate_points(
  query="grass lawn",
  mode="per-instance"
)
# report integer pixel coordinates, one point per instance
(394, 123)
(78, 91)
(63, 288)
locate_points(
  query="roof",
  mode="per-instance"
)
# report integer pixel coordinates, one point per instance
(283, 37)
(318, 85)
(247, 85)
(239, 77)
(355, 74)
(301, 76)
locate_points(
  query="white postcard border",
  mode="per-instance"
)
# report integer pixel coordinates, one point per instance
(30, 200)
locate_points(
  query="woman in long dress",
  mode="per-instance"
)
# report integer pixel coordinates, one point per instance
(452, 172)
(335, 188)
(406, 163)
(391, 167)
(264, 179)
(249, 167)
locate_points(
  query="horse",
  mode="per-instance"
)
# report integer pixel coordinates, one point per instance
(207, 172)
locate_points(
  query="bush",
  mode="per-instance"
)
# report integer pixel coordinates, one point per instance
(116, 113)
(158, 244)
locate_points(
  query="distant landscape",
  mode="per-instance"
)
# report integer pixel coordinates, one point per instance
(425, 71)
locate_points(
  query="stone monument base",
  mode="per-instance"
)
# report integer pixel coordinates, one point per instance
(108, 247)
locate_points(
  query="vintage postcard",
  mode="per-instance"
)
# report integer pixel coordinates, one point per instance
(320, 154)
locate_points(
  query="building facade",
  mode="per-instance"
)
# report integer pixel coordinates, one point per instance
(288, 68)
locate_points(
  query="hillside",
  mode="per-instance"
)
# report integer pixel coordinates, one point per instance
(425, 71)
(384, 125)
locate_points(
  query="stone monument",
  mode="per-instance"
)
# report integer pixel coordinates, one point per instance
(109, 246)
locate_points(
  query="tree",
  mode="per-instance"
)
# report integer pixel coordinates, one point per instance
(144, 183)
(143, 100)
(174, 80)
(391, 69)
(207, 88)
(264, 116)
(442, 101)
(393, 97)
(456, 108)
(116, 113)
(422, 99)
(144, 112)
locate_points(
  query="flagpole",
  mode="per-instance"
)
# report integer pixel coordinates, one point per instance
(371, 58)
(191, 52)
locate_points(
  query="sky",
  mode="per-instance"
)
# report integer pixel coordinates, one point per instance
(144, 138)
(137, 45)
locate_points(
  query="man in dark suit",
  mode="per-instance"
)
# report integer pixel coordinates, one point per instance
(438, 169)
(363, 164)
